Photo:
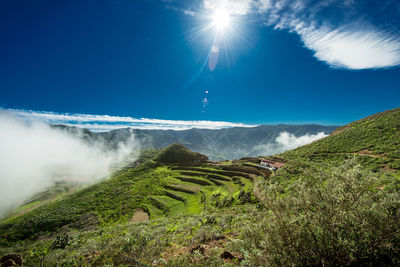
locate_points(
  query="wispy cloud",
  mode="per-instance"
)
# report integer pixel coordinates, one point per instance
(353, 49)
(235, 7)
(100, 123)
(185, 11)
(344, 34)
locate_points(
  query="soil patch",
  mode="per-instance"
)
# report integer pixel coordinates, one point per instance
(140, 216)
(370, 153)
(387, 168)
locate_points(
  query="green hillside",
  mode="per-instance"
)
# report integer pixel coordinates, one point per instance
(335, 202)
(172, 182)
(376, 138)
(372, 142)
(339, 197)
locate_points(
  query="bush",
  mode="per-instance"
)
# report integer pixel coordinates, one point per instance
(328, 218)
(61, 241)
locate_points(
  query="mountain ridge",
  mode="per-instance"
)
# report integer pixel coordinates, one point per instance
(217, 144)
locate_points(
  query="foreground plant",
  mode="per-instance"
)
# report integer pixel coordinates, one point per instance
(328, 217)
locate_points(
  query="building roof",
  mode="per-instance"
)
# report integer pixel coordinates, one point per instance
(273, 163)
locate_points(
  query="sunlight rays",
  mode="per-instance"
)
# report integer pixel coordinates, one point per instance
(221, 19)
(219, 32)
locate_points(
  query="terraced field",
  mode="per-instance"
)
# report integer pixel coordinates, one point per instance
(191, 190)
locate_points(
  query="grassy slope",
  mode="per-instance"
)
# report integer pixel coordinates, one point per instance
(378, 135)
(154, 187)
(373, 141)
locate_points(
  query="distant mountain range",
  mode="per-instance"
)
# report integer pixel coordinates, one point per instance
(221, 144)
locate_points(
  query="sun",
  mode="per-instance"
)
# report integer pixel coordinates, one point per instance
(221, 19)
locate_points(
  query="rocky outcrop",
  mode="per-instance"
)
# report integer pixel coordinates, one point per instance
(11, 260)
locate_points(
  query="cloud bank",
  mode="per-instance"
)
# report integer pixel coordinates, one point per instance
(344, 34)
(287, 141)
(102, 123)
(33, 156)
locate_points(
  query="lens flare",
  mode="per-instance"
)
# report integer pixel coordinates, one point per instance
(221, 28)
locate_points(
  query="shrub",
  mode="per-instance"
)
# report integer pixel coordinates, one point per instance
(328, 218)
(61, 241)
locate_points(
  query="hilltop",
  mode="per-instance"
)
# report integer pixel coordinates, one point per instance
(179, 154)
(334, 202)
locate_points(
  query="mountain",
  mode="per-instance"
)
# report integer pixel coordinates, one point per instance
(335, 202)
(221, 144)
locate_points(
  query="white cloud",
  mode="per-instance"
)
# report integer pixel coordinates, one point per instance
(234, 7)
(352, 42)
(188, 12)
(33, 156)
(263, 5)
(353, 49)
(287, 141)
(100, 123)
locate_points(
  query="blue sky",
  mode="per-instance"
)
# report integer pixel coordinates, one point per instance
(277, 61)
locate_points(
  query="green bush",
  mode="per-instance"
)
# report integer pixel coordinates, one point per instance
(61, 241)
(328, 218)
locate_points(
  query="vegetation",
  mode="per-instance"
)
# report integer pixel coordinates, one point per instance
(339, 216)
(335, 202)
(178, 154)
(374, 139)
(157, 189)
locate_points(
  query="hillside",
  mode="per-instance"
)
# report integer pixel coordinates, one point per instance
(174, 182)
(335, 202)
(374, 140)
(340, 196)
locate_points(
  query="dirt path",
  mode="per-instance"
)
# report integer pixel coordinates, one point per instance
(359, 153)
(256, 190)
(369, 153)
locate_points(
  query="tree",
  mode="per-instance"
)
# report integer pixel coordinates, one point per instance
(40, 252)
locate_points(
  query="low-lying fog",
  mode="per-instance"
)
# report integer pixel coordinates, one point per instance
(287, 141)
(33, 156)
